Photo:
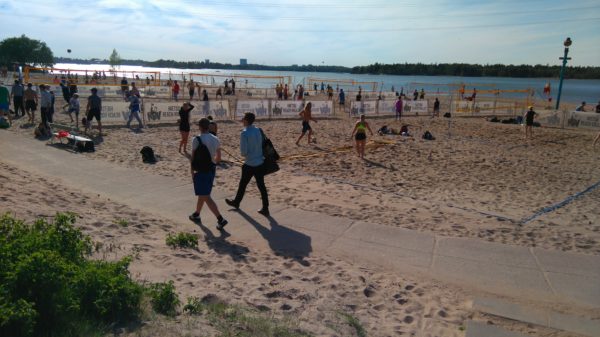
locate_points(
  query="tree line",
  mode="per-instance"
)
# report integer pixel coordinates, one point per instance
(478, 70)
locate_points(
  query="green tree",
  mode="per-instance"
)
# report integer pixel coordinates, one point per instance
(115, 59)
(24, 50)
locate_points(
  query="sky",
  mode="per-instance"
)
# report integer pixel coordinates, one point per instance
(282, 32)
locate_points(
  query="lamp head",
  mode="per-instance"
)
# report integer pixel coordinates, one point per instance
(568, 42)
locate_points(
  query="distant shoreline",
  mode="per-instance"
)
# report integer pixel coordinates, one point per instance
(402, 69)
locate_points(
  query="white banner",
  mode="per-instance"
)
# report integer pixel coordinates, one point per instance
(387, 107)
(285, 108)
(259, 107)
(550, 118)
(363, 107)
(114, 112)
(322, 108)
(483, 108)
(583, 120)
(219, 110)
(158, 91)
(159, 112)
(415, 108)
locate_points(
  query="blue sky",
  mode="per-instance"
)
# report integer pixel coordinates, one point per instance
(282, 32)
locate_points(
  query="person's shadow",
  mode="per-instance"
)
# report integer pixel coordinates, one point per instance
(282, 240)
(221, 245)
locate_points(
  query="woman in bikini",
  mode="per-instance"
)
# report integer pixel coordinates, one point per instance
(360, 135)
(184, 125)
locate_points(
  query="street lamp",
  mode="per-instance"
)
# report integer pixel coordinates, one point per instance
(567, 44)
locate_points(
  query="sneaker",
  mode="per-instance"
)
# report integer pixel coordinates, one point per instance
(264, 211)
(232, 203)
(221, 224)
(195, 217)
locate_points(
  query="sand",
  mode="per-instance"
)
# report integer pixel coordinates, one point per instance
(478, 179)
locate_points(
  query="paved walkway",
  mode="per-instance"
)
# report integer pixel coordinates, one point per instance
(514, 271)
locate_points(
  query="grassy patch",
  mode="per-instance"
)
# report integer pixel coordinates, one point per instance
(354, 323)
(121, 222)
(231, 320)
(182, 240)
(164, 298)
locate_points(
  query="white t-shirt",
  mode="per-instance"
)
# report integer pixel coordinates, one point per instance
(211, 142)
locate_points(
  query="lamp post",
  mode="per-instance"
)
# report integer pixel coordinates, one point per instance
(567, 44)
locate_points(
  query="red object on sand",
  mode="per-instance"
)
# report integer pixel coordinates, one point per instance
(62, 134)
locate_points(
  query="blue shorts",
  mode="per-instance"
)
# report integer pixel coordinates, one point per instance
(4, 106)
(203, 182)
(305, 126)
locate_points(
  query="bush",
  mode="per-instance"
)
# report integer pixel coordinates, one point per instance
(48, 287)
(164, 299)
(182, 240)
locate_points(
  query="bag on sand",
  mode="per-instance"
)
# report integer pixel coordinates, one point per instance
(148, 155)
(428, 136)
(447, 115)
(201, 158)
(270, 154)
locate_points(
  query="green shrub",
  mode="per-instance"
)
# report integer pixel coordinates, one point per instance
(182, 240)
(121, 222)
(164, 299)
(48, 287)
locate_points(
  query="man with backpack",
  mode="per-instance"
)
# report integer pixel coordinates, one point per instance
(206, 153)
(251, 147)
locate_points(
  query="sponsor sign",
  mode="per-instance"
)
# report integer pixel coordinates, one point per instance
(387, 107)
(583, 120)
(159, 91)
(216, 109)
(550, 118)
(286, 108)
(415, 108)
(260, 107)
(159, 112)
(322, 108)
(363, 107)
(114, 112)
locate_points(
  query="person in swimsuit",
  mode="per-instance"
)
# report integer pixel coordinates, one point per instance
(184, 125)
(306, 115)
(360, 135)
(529, 115)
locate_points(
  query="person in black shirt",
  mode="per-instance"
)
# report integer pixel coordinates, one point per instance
(529, 116)
(184, 125)
(436, 108)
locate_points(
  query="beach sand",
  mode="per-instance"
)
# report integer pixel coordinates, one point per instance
(477, 179)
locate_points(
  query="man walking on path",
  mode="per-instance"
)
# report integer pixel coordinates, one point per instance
(134, 110)
(93, 110)
(251, 140)
(17, 92)
(206, 153)
(306, 115)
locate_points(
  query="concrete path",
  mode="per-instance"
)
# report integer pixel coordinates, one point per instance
(513, 271)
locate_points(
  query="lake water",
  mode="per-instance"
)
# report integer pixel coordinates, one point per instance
(574, 91)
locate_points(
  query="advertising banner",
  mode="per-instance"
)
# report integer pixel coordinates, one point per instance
(363, 107)
(415, 108)
(322, 108)
(219, 110)
(258, 106)
(158, 91)
(583, 120)
(285, 108)
(113, 112)
(550, 118)
(162, 112)
(387, 107)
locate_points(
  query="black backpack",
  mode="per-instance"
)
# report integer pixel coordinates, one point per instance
(86, 147)
(148, 155)
(270, 154)
(428, 136)
(201, 158)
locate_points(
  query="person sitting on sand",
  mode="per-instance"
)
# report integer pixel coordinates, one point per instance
(360, 135)
(581, 108)
(184, 125)
(306, 115)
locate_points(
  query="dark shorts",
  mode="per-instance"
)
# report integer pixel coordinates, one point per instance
(529, 122)
(93, 113)
(184, 127)
(203, 182)
(4, 106)
(360, 136)
(305, 126)
(30, 105)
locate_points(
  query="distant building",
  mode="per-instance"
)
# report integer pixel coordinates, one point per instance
(243, 62)
(207, 61)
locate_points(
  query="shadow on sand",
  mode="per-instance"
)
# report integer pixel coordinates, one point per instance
(222, 246)
(282, 240)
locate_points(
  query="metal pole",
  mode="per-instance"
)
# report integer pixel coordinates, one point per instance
(562, 74)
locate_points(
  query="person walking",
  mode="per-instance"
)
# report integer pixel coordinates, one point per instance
(529, 116)
(306, 115)
(134, 110)
(399, 107)
(191, 89)
(342, 98)
(93, 110)
(45, 104)
(360, 135)
(206, 154)
(436, 108)
(74, 108)
(175, 90)
(16, 93)
(31, 102)
(251, 140)
(184, 125)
